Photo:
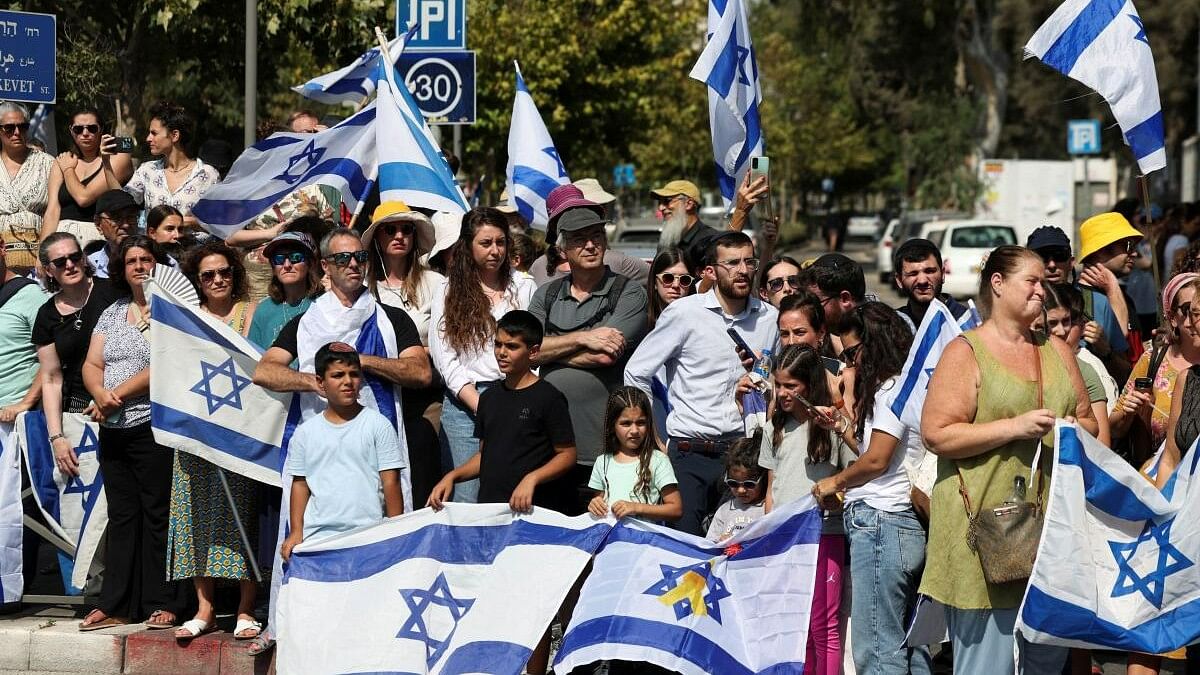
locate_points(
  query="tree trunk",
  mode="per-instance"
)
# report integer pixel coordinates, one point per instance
(984, 65)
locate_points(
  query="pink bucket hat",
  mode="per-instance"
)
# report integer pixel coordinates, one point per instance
(566, 197)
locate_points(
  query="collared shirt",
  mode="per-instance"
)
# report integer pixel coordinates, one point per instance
(701, 362)
(694, 242)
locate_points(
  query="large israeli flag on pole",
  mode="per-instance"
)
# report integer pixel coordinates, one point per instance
(468, 589)
(685, 604)
(74, 507)
(937, 329)
(349, 84)
(12, 580)
(202, 397)
(1116, 566)
(534, 165)
(342, 157)
(730, 70)
(1103, 44)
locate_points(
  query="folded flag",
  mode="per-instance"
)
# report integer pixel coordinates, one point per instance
(468, 589)
(1116, 566)
(349, 84)
(74, 506)
(202, 397)
(12, 580)
(937, 329)
(342, 157)
(685, 604)
(534, 166)
(1103, 44)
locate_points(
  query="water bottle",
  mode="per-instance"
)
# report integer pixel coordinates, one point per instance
(763, 365)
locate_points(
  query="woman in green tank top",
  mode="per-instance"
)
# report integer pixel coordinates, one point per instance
(983, 420)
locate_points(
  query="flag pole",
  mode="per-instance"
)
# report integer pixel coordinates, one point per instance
(237, 519)
(1146, 213)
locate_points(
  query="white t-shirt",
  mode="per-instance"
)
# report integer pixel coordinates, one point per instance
(888, 492)
(732, 517)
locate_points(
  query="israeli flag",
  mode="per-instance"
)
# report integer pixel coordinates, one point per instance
(12, 580)
(971, 319)
(74, 507)
(202, 397)
(352, 83)
(730, 70)
(937, 329)
(1116, 566)
(534, 166)
(468, 589)
(685, 604)
(41, 127)
(412, 168)
(342, 157)
(1103, 44)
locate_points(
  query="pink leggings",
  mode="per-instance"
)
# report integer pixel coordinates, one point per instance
(824, 653)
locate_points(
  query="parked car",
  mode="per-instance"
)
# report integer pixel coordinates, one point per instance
(964, 245)
(884, 250)
(637, 238)
(863, 227)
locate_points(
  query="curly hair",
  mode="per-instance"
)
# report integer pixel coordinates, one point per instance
(668, 258)
(116, 263)
(618, 401)
(191, 268)
(468, 323)
(804, 363)
(885, 339)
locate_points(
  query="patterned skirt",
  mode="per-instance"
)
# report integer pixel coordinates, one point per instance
(202, 535)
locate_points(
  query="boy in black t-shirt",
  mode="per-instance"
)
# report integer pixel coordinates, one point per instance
(526, 442)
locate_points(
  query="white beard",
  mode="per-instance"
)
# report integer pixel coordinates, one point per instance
(672, 230)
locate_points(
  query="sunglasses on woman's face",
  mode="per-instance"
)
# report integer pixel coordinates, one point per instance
(343, 259)
(295, 257)
(404, 227)
(11, 129)
(90, 128)
(61, 262)
(744, 484)
(669, 278)
(207, 276)
(775, 285)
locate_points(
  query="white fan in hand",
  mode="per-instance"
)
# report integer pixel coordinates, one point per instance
(171, 279)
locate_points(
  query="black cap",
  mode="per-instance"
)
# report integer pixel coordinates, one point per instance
(578, 218)
(1048, 236)
(115, 200)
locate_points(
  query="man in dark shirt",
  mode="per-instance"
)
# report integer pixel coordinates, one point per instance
(679, 206)
(919, 276)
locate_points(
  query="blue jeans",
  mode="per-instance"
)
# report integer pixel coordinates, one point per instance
(459, 444)
(887, 554)
(983, 642)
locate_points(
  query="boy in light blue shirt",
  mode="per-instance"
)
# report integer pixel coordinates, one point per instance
(345, 463)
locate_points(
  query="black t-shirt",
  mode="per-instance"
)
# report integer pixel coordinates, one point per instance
(51, 326)
(518, 429)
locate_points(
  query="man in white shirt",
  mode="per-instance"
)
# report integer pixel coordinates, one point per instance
(691, 341)
(116, 218)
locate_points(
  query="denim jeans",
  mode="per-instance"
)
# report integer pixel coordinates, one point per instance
(458, 443)
(887, 554)
(983, 642)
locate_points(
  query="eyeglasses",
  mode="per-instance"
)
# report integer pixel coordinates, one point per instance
(343, 259)
(128, 218)
(1058, 255)
(1128, 246)
(850, 354)
(11, 129)
(404, 227)
(775, 285)
(669, 278)
(207, 276)
(90, 128)
(61, 262)
(744, 484)
(295, 257)
(666, 201)
(750, 263)
(582, 237)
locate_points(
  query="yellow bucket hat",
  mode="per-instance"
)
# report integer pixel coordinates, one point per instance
(1103, 229)
(392, 211)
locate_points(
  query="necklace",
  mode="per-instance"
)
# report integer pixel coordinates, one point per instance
(77, 324)
(182, 168)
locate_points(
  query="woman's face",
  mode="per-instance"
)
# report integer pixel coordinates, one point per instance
(66, 263)
(489, 248)
(288, 271)
(1182, 319)
(168, 231)
(394, 239)
(1057, 323)
(675, 290)
(1022, 293)
(216, 277)
(88, 137)
(139, 266)
(14, 131)
(796, 329)
(788, 390)
(783, 279)
(160, 139)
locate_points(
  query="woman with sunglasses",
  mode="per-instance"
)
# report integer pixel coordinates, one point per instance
(80, 167)
(295, 283)
(28, 189)
(669, 281)
(61, 333)
(780, 277)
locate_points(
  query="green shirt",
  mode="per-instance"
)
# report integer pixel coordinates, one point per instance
(617, 480)
(1095, 388)
(18, 357)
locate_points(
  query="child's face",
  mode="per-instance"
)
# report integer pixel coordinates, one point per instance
(341, 383)
(512, 354)
(630, 428)
(787, 390)
(743, 484)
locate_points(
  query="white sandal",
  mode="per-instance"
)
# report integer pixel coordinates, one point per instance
(194, 628)
(246, 624)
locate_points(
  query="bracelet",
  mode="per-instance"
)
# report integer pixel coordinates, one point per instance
(55, 437)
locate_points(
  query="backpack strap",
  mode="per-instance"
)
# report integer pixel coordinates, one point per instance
(12, 287)
(607, 304)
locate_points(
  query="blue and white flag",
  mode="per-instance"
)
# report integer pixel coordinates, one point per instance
(937, 329)
(202, 396)
(468, 589)
(12, 580)
(729, 68)
(685, 604)
(1103, 44)
(534, 166)
(352, 83)
(74, 507)
(412, 168)
(1116, 566)
(41, 127)
(342, 157)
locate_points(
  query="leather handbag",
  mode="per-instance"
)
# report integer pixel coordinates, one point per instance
(1006, 536)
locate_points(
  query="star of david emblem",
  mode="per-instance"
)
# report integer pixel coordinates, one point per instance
(743, 53)
(419, 601)
(310, 154)
(233, 397)
(562, 170)
(88, 443)
(690, 590)
(928, 376)
(1169, 561)
(1141, 34)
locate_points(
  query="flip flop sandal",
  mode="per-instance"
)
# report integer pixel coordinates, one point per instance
(106, 622)
(244, 625)
(259, 645)
(152, 624)
(194, 629)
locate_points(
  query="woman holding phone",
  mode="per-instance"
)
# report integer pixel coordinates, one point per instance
(82, 183)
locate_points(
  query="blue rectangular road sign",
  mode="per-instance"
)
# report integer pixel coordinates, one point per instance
(1083, 137)
(443, 23)
(27, 57)
(442, 83)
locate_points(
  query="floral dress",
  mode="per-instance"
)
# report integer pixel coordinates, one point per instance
(23, 200)
(149, 185)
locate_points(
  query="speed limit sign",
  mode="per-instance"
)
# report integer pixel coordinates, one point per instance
(442, 84)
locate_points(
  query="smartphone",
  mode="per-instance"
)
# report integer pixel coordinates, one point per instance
(832, 365)
(737, 340)
(760, 167)
(124, 145)
(1143, 383)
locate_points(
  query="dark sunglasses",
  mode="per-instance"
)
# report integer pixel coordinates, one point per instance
(343, 259)
(404, 227)
(849, 354)
(11, 129)
(295, 257)
(746, 484)
(61, 262)
(775, 285)
(207, 276)
(668, 278)
(1128, 246)
(90, 128)
(1058, 255)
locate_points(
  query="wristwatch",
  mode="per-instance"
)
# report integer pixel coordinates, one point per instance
(55, 437)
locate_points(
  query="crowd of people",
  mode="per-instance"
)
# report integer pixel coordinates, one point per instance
(458, 361)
